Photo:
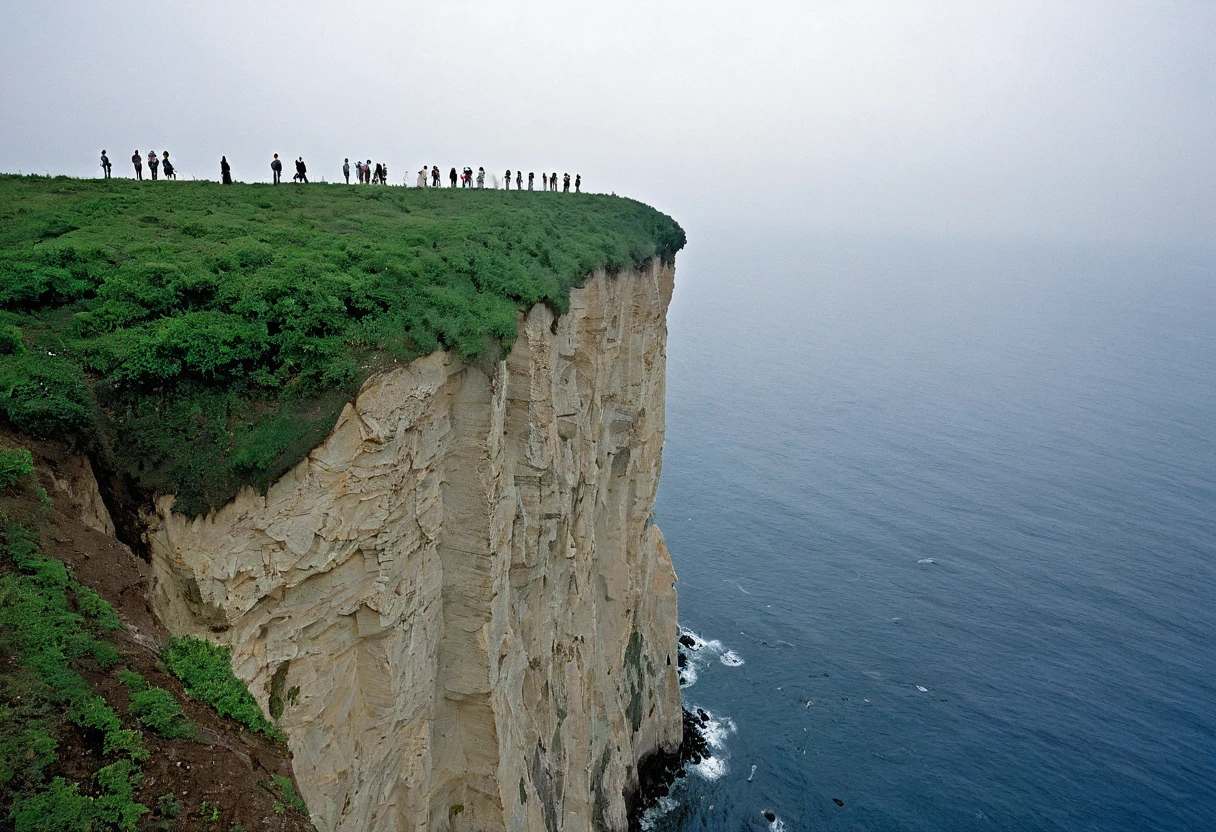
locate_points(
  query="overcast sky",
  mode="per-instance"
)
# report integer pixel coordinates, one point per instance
(1088, 121)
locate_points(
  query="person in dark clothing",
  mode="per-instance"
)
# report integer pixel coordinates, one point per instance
(519, 180)
(138, 161)
(105, 165)
(566, 183)
(452, 177)
(276, 167)
(166, 167)
(544, 181)
(301, 169)
(531, 176)
(225, 171)
(506, 183)
(152, 163)
(578, 182)
(553, 181)
(434, 176)
(378, 175)
(346, 170)
(367, 172)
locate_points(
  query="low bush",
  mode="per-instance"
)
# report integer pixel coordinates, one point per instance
(15, 463)
(205, 670)
(157, 709)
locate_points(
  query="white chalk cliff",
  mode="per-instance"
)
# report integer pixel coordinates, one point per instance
(459, 606)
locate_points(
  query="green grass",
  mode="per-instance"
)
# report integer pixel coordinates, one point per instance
(50, 627)
(15, 463)
(197, 338)
(156, 709)
(205, 670)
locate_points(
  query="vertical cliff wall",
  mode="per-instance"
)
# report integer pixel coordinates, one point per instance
(458, 606)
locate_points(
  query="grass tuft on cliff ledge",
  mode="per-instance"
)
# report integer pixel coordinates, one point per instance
(195, 338)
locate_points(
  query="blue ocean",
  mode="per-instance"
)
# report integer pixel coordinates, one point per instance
(944, 518)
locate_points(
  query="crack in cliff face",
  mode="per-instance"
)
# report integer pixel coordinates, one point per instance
(463, 584)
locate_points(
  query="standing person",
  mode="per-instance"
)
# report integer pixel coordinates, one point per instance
(434, 176)
(422, 177)
(152, 163)
(379, 173)
(553, 181)
(566, 183)
(166, 167)
(225, 171)
(481, 177)
(138, 161)
(531, 176)
(506, 183)
(519, 180)
(544, 181)
(105, 165)
(302, 168)
(578, 182)
(367, 172)
(452, 177)
(384, 174)
(346, 170)
(276, 167)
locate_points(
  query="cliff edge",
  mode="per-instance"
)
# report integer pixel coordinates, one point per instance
(458, 607)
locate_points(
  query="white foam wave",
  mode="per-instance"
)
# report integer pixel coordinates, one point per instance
(652, 815)
(730, 658)
(926, 560)
(710, 768)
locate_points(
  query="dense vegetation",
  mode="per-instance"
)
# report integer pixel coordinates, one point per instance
(205, 670)
(195, 338)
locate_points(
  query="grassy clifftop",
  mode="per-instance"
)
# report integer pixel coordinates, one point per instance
(196, 337)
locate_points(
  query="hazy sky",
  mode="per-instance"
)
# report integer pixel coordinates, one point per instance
(1073, 120)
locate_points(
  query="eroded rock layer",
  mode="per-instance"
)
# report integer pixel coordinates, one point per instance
(458, 607)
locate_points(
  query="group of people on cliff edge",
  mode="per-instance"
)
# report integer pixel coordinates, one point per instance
(154, 163)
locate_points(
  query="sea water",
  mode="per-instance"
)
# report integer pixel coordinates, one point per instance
(944, 518)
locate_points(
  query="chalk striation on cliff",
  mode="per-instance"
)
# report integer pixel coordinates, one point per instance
(458, 606)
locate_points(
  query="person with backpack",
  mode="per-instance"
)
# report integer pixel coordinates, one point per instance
(276, 168)
(152, 163)
(225, 171)
(166, 167)
(566, 184)
(578, 182)
(138, 161)
(346, 170)
(105, 165)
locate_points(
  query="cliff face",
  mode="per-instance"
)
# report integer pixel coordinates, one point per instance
(458, 604)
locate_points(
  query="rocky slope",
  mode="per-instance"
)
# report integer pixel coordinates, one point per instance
(458, 606)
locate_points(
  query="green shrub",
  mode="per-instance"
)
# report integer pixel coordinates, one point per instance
(15, 463)
(288, 792)
(205, 670)
(157, 709)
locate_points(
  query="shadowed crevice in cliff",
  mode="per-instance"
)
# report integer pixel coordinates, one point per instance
(659, 770)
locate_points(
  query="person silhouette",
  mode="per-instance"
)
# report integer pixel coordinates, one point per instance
(531, 176)
(507, 181)
(152, 163)
(578, 182)
(166, 167)
(346, 169)
(105, 165)
(566, 183)
(481, 177)
(225, 171)
(434, 176)
(276, 167)
(553, 181)
(519, 180)
(138, 161)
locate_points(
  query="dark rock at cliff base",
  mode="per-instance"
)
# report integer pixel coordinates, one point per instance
(681, 660)
(688, 641)
(769, 816)
(658, 770)
(837, 801)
